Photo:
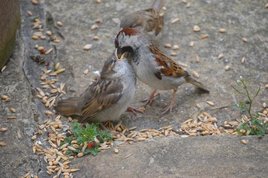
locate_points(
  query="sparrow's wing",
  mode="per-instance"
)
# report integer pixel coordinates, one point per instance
(166, 66)
(101, 95)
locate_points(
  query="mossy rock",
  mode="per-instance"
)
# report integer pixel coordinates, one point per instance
(9, 23)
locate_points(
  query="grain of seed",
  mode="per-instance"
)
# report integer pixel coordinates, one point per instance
(191, 44)
(195, 74)
(175, 47)
(167, 45)
(86, 71)
(11, 117)
(222, 30)
(220, 56)
(2, 143)
(29, 13)
(3, 68)
(35, 2)
(175, 20)
(266, 86)
(49, 33)
(244, 141)
(243, 60)
(210, 103)
(227, 67)
(203, 36)
(48, 51)
(13, 110)
(173, 53)
(96, 38)
(264, 105)
(244, 39)
(94, 27)
(98, 1)
(59, 23)
(87, 47)
(196, 28)
(34, 37)
(3, 129)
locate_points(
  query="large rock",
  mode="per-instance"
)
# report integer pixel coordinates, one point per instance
(9, 23)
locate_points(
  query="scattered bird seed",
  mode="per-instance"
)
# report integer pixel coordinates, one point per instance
(266, 5)
(29, 13)
(49, 33)
(35, 37)
(96, 38)
(98, 1)
(167, 45)
(220, 56)
(195, 74)
(264, 105)
(5, 98)
(87, 47)
(59, 24)
(227, 67)
(35, 2)
(196, 28)
(175, 20)
(244, 39)
(3, 68)
(243, 60)
(222, 30)
(173, 53)
(266, 86)
(13, 110)
(86, 71)
(210, 103)
(116, 151)
(175, 47)
(244, 141)
(191, 44)
(203, 36)
(3, 129)
(48, 51)
(2, 143)
(94, 27)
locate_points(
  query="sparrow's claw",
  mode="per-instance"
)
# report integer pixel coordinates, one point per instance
(171, 104)
(136, 110)
(150, 100)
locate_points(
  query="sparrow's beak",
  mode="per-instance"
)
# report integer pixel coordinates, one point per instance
(119, 53)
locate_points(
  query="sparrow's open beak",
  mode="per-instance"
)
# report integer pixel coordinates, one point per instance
(119, 53)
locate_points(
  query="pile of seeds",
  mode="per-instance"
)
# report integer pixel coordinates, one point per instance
(130, 135)
(203, 124)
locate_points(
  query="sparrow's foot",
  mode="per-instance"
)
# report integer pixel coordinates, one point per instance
(150, 100)
(136, 110)
(171, 104)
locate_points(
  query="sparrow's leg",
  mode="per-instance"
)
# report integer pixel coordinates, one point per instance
(171, 104)
(135, 110)
(151, 98)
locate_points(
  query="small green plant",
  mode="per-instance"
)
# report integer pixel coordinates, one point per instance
(89, 134)
(254, 126)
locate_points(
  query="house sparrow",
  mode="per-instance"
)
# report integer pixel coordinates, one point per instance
(150, 21)
(152, 66)
(107, 97)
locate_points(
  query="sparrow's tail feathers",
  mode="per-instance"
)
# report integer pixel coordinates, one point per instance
(158, 4)
(68, 107)
(196, 83)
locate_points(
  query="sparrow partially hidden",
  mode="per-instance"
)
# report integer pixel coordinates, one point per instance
(107, 97)
(149, 21)
(152, 66)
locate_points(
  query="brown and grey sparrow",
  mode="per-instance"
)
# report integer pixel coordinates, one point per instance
(149, 21)
(107, 97)
(152, 66)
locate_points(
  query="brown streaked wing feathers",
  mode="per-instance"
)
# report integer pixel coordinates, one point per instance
(101, 95)
(167, 66)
